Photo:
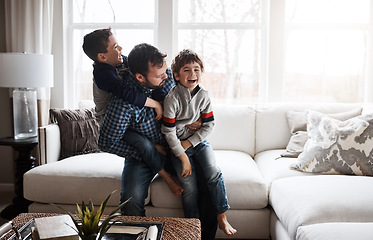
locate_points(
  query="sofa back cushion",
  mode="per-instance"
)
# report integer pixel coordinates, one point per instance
(234, 128)
(272, 129)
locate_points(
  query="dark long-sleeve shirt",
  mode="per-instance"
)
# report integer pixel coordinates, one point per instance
(109, 80)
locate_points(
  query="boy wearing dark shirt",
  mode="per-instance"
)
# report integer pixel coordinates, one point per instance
(102, 47)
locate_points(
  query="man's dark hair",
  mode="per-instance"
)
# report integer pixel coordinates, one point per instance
(143, 54)
(96, 42)
(184, 57)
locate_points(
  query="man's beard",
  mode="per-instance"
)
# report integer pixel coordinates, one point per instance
(148, 84)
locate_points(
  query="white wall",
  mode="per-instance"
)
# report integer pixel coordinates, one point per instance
(6, 153)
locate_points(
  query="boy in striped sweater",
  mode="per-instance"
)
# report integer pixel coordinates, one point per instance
(185, 104)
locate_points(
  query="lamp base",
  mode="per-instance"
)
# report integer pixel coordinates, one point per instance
(25, 113)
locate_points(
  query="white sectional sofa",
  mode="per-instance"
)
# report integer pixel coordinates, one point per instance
(268, 198)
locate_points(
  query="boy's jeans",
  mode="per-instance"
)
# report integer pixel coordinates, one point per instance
(203, 156)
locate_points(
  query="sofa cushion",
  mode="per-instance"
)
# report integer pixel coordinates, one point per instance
(305, 200)
(272, 166)
(75, 179)
(78, 131)
(298, 129)
(244, 183)
(234, 128)
(338, 147)
(340, 231)
(272, 130)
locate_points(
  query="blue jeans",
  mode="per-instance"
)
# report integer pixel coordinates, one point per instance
(202, 157)
(146, 149)
(137, 175)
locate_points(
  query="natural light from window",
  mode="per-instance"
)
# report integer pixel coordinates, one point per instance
(324, 50)
(326, 46)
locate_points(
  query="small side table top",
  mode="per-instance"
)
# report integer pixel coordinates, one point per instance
(10, 141)
(174, 228)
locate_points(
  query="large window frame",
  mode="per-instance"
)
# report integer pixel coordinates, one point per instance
(165, 26)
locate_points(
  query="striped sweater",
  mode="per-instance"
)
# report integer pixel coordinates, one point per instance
(181, 109)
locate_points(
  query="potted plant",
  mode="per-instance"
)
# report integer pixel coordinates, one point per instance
(88, 221)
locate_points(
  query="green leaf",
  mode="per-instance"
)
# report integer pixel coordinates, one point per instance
(79, 212)
(91, 207)
(120, 206)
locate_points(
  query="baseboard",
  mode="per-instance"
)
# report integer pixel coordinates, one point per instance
(6, 187)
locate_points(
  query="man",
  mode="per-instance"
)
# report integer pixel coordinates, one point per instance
(149, 72)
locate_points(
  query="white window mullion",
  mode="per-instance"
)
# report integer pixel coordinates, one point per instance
(263, 79)
(175, 27)
(70, 97)
(272, 91)
(368, 94)
(165, 28)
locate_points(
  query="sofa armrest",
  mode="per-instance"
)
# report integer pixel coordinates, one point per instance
(49, 144)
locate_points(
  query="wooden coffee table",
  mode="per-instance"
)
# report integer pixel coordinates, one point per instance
(174, 228)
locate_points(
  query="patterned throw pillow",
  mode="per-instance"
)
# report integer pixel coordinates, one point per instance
(79, 131)
(298, 129)
(338, 147)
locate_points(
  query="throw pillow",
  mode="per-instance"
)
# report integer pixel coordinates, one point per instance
(298, 129)
(79, 131)
(338, 147)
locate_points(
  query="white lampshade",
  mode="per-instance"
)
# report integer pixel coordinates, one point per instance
(26, 70)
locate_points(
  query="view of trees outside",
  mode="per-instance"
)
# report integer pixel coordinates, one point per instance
(325, 50)
(89, 15)
(231, 49)
(225, 39)
(326, 47)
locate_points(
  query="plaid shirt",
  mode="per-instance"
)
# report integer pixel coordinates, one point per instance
(121, 115)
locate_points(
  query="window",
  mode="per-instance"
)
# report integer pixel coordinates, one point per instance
(129, 27)
(326, 50)
(253, 50)
(230, 36)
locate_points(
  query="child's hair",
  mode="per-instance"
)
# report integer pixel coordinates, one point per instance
(96, 42)
(143, 54)
(184, 57)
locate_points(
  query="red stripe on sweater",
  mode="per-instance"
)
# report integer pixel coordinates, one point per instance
(168, 120)
(207, 115)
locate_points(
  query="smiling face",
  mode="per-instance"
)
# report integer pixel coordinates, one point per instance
(113, 56)
(189, 75)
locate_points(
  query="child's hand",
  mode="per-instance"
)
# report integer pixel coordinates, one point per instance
(157, 107)
(194, 127)
(186, 166)
(159, 110)
(185, 144)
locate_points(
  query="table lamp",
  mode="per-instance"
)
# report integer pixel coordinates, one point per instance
(25, 72)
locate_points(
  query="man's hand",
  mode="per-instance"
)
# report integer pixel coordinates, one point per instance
(186, 166)
(194, 127)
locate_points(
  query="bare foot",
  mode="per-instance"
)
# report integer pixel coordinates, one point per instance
(174, 186)
(224, 225)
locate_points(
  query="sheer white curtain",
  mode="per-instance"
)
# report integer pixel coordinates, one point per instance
(28, 28)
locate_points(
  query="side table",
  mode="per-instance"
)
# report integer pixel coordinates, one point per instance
(24, 162)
